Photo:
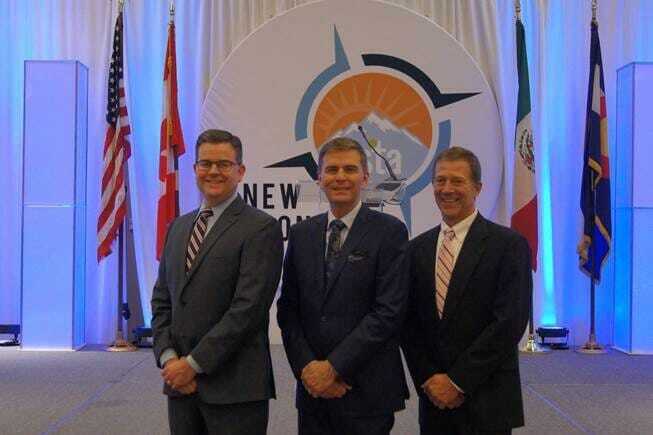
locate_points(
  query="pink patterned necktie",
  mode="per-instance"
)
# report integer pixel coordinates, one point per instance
(443, 268)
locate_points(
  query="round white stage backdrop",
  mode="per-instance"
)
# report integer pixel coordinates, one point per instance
(328, 69)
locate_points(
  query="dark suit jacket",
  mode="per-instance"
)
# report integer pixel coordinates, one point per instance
(219, 311)
(355, 320)
(485, 314)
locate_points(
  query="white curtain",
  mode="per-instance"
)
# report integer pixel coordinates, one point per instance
(557, 37)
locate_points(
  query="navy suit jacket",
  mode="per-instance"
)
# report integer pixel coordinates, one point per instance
(353, 321)
(485, 313)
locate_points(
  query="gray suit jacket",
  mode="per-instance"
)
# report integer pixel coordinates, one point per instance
(219, 311)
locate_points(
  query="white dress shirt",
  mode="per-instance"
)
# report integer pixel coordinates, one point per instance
(347, 219)
(460, 229)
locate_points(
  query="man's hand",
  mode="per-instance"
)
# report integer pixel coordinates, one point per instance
(189, 388)
(177, 373)
(318, 376)
(441, 391)
(338, 389)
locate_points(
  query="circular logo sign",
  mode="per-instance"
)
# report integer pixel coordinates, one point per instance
(377, 73)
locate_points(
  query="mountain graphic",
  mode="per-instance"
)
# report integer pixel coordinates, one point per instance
(402, 149)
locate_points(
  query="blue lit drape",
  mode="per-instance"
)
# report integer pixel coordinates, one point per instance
(557, 37)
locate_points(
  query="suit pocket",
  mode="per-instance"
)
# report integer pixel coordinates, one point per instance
(357, 256)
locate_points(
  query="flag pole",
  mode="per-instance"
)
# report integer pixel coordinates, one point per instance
(531, 346)
(592, 346)
(120, 344)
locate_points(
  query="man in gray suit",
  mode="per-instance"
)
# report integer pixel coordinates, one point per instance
(217, 278)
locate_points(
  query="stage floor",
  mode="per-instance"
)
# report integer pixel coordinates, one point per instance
(95, 392)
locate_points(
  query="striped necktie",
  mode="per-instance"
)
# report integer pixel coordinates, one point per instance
(197, 236)
(443, 269)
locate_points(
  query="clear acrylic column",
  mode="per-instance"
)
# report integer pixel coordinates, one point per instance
(54, 205)
(633, 236)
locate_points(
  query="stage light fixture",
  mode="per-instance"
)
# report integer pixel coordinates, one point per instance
(141, 335)
(556, 337)
(10, 330)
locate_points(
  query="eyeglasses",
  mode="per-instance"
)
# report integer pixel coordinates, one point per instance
(222, 165)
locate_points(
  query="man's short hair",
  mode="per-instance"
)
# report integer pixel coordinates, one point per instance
(342, 144)
(220, 136)
(460, 153)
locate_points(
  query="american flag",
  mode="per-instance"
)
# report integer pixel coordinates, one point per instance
(116, 152)
(172, 146)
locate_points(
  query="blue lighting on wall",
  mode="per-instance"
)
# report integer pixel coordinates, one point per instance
(546, 266)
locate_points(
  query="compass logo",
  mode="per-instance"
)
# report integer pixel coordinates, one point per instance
(387, 107)
(315, 73)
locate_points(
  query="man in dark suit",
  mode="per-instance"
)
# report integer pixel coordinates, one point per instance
(470, 292)
(342, 304)
(217, 279)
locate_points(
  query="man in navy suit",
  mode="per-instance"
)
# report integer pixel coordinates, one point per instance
(469, 302)
(342, 303)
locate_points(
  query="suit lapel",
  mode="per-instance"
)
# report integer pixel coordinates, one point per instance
(224, 222)
(356, 233)
(187, 227)
(468, 258)
(426, 263)
(318, 232)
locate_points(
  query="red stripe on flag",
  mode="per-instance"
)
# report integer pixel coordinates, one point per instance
(167, 210)
(605, 166)
(604, 112)
(524, 221)
(104, 249)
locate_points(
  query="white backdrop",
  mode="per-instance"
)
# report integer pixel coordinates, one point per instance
(557, 36)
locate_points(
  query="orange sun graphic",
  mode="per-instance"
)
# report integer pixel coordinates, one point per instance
(353, 99)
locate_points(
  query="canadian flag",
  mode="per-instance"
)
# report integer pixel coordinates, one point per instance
(172, 146)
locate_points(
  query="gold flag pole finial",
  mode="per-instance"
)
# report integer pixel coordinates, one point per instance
(172, 11)
(594, 8)
(518, 9)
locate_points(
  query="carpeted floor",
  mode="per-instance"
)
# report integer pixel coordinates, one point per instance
(95, 392)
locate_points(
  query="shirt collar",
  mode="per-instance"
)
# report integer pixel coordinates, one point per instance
(218, 209)
(347, 219)
(461, 227)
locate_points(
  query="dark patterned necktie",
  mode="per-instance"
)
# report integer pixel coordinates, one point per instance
(333, 247)
(197, 237)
